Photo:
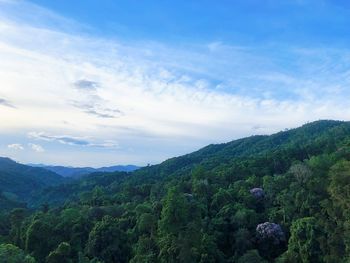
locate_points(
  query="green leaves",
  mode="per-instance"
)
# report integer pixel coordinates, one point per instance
(340, 183)
(200, 207)
(62, 254)
(108, 242)
(12, 254)
(304, 243)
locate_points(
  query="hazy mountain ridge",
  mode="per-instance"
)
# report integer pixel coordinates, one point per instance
(77, 172)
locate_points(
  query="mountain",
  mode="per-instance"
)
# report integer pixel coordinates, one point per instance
(77, 172)
(19, 181)
(259, 154)
(277, 198)
(302, 142)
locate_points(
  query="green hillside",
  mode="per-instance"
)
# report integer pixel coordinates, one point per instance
(20, 181)
(278, 198)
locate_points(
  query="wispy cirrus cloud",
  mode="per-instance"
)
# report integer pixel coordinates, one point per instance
(72, 140)
(159, 99)
(105, 113)
(90, 102)
(94, 105)
(64, 139)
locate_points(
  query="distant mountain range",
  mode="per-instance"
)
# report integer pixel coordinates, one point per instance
(77, 172)
(18, 181)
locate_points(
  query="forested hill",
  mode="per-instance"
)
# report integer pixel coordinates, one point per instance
(305, 141)
(18, 181)
(272, 154)
(278, 198)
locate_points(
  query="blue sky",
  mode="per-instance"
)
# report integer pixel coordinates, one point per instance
(115, 82)
(248, 22)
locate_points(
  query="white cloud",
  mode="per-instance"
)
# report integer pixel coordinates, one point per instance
(89, 91)
(36, 147)
(15, 146)
(71, 140)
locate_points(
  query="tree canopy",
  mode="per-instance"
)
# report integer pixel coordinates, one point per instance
(278, 198)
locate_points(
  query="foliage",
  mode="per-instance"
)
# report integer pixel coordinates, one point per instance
(12, 254)
(20, 180)
(278, 198)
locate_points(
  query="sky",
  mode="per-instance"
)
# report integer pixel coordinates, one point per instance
(96, 83)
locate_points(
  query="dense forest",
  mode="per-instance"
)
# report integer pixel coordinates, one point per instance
(278, 198)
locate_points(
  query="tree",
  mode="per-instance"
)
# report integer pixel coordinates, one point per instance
(108, 242)
(304, 243)
(12, 254)
(146, 223)
(179, 229)
(340, 184)
(39, 239)
(220, 199)
(242, 241)
(145, 251)
(301, 172)
(339, 190)
(174, 213)
(209, 252)
(62, 254)
(98, 196)
(17, 216)
(173, 220)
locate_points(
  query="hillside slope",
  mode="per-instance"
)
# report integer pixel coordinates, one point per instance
(304, 141)
(21, 180)
(272, 154)
(277, 199)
